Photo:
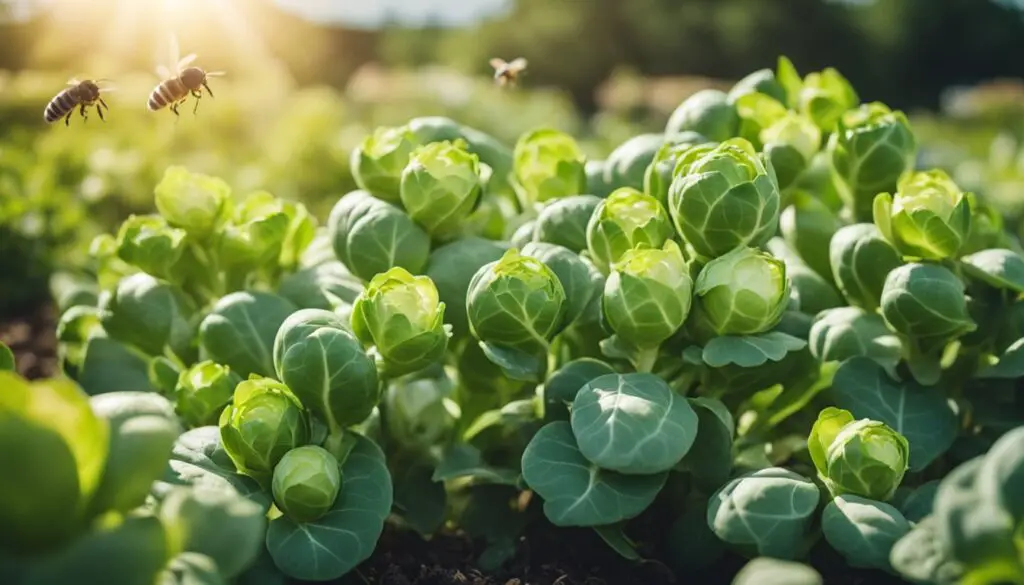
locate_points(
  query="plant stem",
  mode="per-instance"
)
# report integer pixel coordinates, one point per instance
(645, 359)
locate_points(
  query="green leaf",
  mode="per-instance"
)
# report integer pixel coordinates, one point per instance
(143, 428)
(134, 552)
(110, 366)
(6, 358)
(769, 510)
(335, 544)
(862, 530)
(465, 461)
(191, 569)
(923, 557)
(750, 351)
(920, 413)
(217, 522)
(562, 386)
(577, 492)
(1010, 365)
(419, 498)
(613, 537)
(998, 267)
(709, 460)
(239, 332)
(633, 423)
(1001, 476)
(515, 363)
(769, 571)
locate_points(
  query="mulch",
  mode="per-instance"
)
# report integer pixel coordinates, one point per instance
(33, 338)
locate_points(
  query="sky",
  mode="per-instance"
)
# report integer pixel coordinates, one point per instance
(372, 13)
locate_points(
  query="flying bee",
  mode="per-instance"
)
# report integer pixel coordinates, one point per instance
(78, 94)
(507, 73)
(174, 90)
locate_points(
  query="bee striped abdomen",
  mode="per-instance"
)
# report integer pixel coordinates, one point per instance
(166, 94)
(59, 106)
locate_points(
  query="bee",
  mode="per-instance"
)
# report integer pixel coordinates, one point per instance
(175, 89)
(507, 73)
(78, 94)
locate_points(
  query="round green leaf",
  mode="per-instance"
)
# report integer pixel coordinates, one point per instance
(997, 267)
(751, 350)
(336, 543)
(920, 413)
(633, 423)
(709, 460)
(575, 491)
(239, 332)
(862, 530)
(562, 386)
(769, 571)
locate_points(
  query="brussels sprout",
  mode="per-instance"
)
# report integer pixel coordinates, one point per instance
(861, 260)
(517, 302)
(744, 292)
(325, 286)
(925, 300)
(564, 221)
(860, 457)
(194, 202)
(594, 170)
(326, 366)
(844, 332)
(707, 112)
(724, 198)
(929, 217)
(624, 220)
(760, 81)
(203, 391)
(147, 241)
(810, 293)
(451, 267)
(523, 234)
(264, 421)
(378, 162)
(400, 315)
(254, 236)
(54, 449)
(441, 187)
(825, 96)
(790, 142)
(658, 175)
(576, 276)
(239, 331)
(871, 148)
(768, 511)
(626, 164)
(491, 151)
(306, 482)
(371, 236)
(421, 413)
(148, 314)
(648, 295)
(548, 164)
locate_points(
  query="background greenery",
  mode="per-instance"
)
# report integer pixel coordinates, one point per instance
(301, 94)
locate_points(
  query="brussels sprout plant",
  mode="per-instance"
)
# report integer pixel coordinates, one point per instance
(763, 338)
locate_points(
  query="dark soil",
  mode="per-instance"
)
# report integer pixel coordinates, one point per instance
(33, 338)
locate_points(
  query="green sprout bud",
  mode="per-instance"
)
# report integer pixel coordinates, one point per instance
(861, 259)
(148, 314)
(264, 421)
(548, 164)
(441, 187)
(744, 292)
(926, 300)
(760, 81)
(421, 413)
(517, 302)
(658, 175)
(191, 201)
(564, 222)
(624, 220)
(203, 391)
(791, 142)
(929, 217)
(707, 112)
(401, 316)
(370, 236)
(871, 149)
(724, 198)
(825, 96)
(378, 162)
(648, 295)
(306, 483)
(860, 457)
(146, 241)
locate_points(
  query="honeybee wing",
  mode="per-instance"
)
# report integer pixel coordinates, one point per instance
(74, 81)
(216, 73)
(163, 72)
(184, 62)
(517, 64)
(498, 63)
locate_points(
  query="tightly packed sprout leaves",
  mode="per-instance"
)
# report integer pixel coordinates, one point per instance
(764, 333)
